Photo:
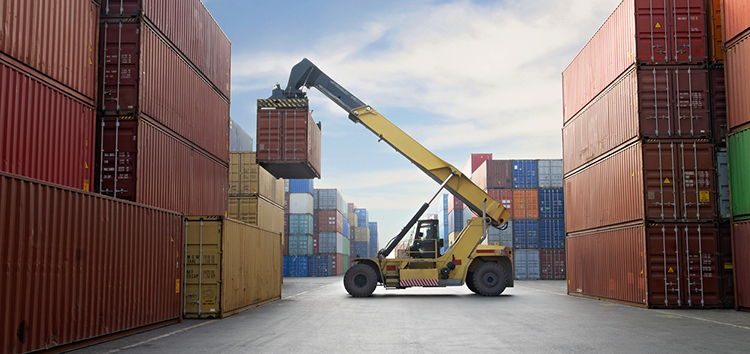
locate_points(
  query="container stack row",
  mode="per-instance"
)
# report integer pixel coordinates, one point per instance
(644, 159)
(299, 218)
(736, 20)
(255, 196)
(162, 126)
(331, 241)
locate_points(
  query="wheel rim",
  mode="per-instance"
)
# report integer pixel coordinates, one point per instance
(490, 279)
(360, 280)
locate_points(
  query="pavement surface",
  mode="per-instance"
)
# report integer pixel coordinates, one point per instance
(316, 315)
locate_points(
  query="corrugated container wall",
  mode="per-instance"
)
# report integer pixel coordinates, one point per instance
(494, 174)
(55, 38)
(526, 233)
(288, 139)
(140, 72)
(44, 133)
(296, 266)
(474, 161)
(363, 217)
(192, 29)
(736, 15)
(500, 237)
(552, 264)
(737, 81)
(504, 196)
(642, 32)
(257, 211)
(525, 174)
(230, 266)
(738, 149)
(719, 105)
(526, 264)
(551, 204)
(715, 32)
(526, 204)
(139, 246)
(301, 203)
(239, 139)
(246, 178)
(330, 199)
(741, 263)
(301, 186)
(722, 181)
(550, 174)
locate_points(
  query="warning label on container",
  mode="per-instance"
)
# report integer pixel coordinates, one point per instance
(658, 25)
(728, 265)
(670, 270)
(666, 180)
(704, 196)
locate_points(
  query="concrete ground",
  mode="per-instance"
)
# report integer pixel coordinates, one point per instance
(316, 315)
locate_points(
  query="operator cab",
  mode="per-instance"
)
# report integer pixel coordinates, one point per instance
(427, 242)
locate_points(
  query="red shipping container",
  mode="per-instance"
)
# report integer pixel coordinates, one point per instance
(56, 38)
(142, 73)
(473, 163)
(727, 279)
(350, 207)
(492, 174)
(526, 204)
(659, 180)
(288, 139)
(736, 14)
(659, 266)
(719, 105)
(330, 221)
(504, 196)
(338, 264)
(454, 203)
(552, 263)
(642, 32)
(79, 266)
(737, 73)
(139, 162)
(653, 102)
(192, 29)
(44, 133)
(741, 263)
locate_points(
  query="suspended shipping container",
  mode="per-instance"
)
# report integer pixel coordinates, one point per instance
(229, 266)
(552, 264)
(550, 174)
(494, 174)
(642, 32)
(192, 29)
(56, 39)
(141, 72)
(257, 211)
(138, 161)
(741, 263)
(651, 102)
(658, 180)
(738, 150)
(526, 264)
(44, 133)
(58, 241)
(288, 138)
(671, 265)
(738, 83)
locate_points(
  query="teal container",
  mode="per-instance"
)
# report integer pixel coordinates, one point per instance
(738, 151)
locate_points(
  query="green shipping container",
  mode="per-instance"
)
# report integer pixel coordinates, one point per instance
(738, 149)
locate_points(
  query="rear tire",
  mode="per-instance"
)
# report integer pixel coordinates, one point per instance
(470, 282)
(490, 279)
(360, 280)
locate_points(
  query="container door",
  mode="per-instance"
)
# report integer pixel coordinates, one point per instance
(722, 178)
(688, 37)
(691, 102)
(660, 171)
(117, 139)
(664, 281)
(202, 267)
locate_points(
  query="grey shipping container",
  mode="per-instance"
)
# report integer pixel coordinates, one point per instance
(300, 245)
(239, 139)
(550, 174)
(526, 264)
(330, 199)
(722, 178)
(502, 237)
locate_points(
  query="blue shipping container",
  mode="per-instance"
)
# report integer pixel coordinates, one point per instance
(300, 245)
(373, 226)
(526, 264)
(328, 242)
(320, 266)
(372, 251)
(526, 233)
(361, 249)
(456, 220)
(286, 266)
(346, 227)
(525, 174)
(552, 233)
(444, 236)
(551, 204)
(300, 186)
(363, 217)
(296, 266)
(300, 224)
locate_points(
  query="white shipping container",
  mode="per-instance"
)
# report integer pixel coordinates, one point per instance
(550, 173)
(300, 203)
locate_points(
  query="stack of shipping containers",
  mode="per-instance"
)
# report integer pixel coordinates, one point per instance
(643, 116)
(331, 240)
(736, 20)
(362, 233)
(300, 227)
(532, 191)
(255, 196)
(162, 132)
(372, 248)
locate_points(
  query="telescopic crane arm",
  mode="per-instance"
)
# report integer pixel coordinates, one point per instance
(306, 74)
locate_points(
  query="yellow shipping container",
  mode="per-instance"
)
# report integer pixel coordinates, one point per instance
(361, 234)
(257, 211)
(229, 266)
(247, 178)
(352, 218)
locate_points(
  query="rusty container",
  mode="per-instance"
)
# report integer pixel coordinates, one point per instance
(741, 263)
(44, 133)
(140, 73)
(656, 180)
(55, 38)
(736, 16)
(192, 29)
(78, 266)
(137, 161)
(737, 80)
(671, 265)
(494, 174)
(646, 102)
(230, 266)
(641, 32)
(288, 139)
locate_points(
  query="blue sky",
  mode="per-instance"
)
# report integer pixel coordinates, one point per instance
(458, 76)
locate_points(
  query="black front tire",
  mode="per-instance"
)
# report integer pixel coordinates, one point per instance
(360, 280)
(470, 282)
(490, 279)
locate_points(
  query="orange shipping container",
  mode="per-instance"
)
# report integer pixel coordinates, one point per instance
(525, 204)
(715, 34)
